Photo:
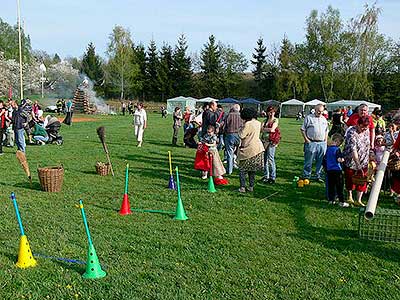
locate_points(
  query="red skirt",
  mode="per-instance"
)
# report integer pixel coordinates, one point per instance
(396, 182)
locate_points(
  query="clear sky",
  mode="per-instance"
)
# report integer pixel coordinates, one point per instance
(67, 26)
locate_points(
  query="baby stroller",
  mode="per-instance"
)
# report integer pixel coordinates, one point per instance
(52, 128)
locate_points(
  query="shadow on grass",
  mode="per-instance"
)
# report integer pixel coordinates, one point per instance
(161, 143)
(342, 240)
(25, 185)
(92, 172)
(78, 268)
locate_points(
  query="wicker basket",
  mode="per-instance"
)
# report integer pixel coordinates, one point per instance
(103, 169)
(51, 178)
(394, 164)
(359, 178)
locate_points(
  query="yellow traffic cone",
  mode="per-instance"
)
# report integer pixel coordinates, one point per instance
(25, 256)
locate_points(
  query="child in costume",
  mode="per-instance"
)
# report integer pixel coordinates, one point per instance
(218, 169)
(379, 148)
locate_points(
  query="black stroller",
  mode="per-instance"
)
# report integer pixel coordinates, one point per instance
(53, 130)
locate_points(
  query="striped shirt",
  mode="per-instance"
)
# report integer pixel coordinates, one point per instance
(232, 122)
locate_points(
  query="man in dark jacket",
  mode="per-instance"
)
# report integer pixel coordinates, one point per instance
(18, 121)
(210, 117)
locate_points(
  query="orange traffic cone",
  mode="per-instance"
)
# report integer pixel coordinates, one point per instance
(125, 207)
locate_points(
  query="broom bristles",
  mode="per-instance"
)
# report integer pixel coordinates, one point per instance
(24, 163)
(101, 132)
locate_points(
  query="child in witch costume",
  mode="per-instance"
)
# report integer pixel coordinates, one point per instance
(218, 169)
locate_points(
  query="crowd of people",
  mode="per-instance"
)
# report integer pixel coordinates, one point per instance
(128, 108)
(365, 139)
(250, 145)
(24, 121)
(237, 132)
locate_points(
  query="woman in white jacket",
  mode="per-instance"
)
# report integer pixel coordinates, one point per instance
(140, 123)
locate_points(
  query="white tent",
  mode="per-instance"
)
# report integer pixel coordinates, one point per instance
(353, 103)
(308, 106)
(291, 107)
(205, 100)
(181, 102)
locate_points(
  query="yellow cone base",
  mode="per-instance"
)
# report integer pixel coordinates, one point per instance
(93, 268)
(25, 256)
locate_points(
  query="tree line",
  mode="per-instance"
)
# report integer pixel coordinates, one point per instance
(336, 60)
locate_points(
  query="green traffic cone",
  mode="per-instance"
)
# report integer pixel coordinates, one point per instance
(180, 210)
(180, 213)
(93, 268)
(211, 187)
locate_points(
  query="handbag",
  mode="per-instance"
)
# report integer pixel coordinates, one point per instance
(202, 160)
(275, 137)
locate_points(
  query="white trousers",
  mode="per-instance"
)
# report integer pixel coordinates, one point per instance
(139, 132)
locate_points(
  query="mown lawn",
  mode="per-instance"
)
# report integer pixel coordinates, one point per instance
(289, 246)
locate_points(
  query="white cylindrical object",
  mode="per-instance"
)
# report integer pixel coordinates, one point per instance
(20, 52)
(376, 187)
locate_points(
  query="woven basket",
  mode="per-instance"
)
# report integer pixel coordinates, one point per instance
(359, 179)
(103, 169)
(394, 164)
(51, 178)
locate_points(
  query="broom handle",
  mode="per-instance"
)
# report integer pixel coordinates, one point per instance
(109, 161)
(108, 158)
(14, 200)
(170, 163)
(85, 221)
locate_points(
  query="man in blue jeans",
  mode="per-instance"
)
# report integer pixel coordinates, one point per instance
(231, 127)
(315, 134)
(18, 120)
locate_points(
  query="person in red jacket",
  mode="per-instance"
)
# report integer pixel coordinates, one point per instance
(395, 184)
(363, 112)
(3, 116)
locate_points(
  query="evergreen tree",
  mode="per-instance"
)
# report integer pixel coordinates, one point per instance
(259, 62)
(182, 68)
(152, 64)
(139, 58)
(92, 67)
(165, 73)
(56, 59)
(211, 69)
(287, 79)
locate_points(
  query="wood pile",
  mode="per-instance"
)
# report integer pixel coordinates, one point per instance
(81, 102)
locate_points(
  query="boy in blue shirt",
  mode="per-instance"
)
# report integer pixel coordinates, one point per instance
(332, 162)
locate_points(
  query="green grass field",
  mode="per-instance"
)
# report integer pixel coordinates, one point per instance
(289, 246)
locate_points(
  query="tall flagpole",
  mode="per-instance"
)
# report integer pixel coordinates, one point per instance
(20, 52)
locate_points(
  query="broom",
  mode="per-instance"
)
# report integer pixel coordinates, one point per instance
(101, 132)
(24, 163)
